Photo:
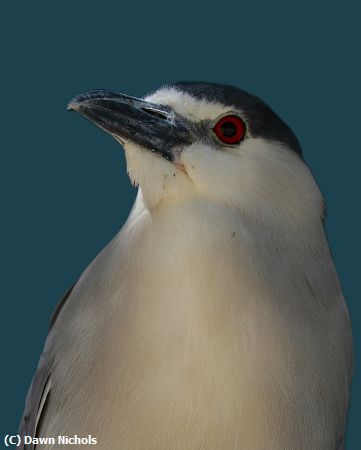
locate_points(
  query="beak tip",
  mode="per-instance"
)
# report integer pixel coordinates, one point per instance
(72, 106)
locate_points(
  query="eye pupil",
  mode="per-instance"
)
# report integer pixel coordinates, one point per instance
(229, 129)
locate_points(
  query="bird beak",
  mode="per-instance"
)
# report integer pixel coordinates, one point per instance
(154, 127)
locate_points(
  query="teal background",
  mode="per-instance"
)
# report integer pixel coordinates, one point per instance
(64, 188)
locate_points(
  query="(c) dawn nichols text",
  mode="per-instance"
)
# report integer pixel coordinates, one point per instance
(61, 440)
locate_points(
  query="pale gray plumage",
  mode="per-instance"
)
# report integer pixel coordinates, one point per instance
(214, 319)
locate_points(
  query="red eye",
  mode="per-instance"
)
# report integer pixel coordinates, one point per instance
(230, 129)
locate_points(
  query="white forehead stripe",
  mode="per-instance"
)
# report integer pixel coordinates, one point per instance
(184, 104)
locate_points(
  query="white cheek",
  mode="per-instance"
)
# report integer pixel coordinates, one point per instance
(215, 173)
(258, 177)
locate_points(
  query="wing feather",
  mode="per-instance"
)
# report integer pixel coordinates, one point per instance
(38, 396)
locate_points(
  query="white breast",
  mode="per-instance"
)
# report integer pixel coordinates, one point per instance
(188, 332)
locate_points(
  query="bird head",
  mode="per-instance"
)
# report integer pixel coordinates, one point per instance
(196, 140)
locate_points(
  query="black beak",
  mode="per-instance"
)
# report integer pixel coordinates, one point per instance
(154, 127)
